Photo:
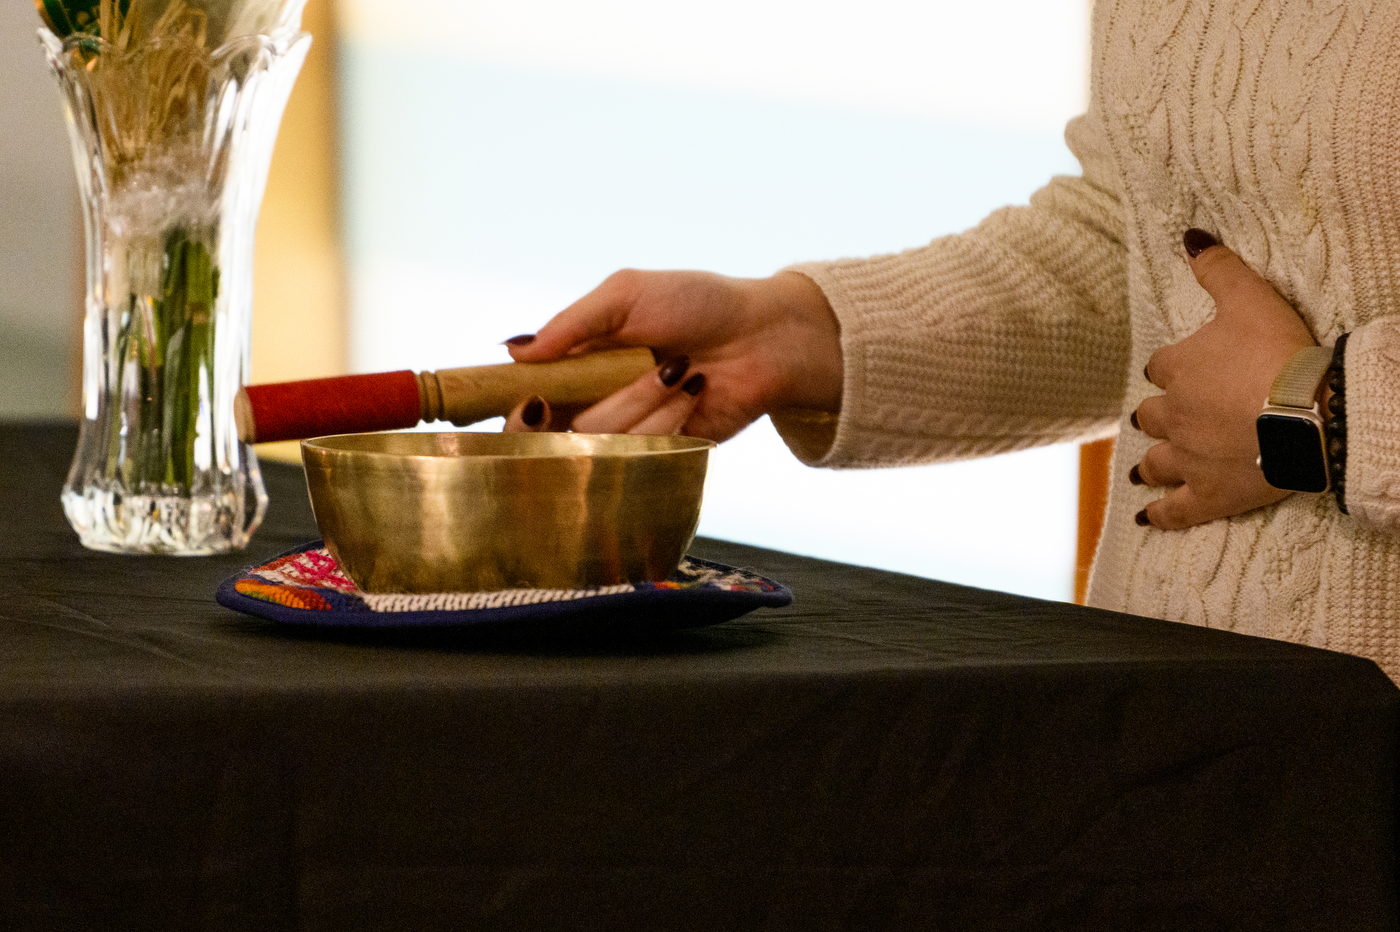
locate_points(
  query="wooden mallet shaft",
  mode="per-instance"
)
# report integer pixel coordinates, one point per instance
(355, 404)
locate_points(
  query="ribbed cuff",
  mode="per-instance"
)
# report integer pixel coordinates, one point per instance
(1373, 423)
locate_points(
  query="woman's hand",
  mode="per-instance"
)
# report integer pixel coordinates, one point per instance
(1214, 383)
(729, 350)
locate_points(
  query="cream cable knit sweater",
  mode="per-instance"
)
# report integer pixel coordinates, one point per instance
(1274, 124)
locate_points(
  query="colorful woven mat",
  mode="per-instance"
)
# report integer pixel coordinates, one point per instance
(306, 587)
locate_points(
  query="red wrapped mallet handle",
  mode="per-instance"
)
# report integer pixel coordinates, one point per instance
(350, 404)
(354, 404)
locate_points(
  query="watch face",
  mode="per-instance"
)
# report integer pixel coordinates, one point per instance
(1291, 453)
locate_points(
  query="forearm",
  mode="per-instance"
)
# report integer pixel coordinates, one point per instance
(1011, 335)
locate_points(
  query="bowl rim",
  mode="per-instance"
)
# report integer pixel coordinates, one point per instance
(321, 445)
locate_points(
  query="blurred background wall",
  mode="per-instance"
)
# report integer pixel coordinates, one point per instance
(40, 235)
(498, 167)
(435, 191)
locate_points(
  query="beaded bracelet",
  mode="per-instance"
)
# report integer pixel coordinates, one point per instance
(1337, 422)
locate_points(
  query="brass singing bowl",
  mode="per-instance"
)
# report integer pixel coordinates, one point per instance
(473, 512)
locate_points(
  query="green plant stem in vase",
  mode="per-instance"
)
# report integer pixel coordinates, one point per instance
(172, 136)
(168, 343)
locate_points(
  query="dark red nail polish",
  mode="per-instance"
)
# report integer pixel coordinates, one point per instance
(1198, 241)
(534, 412)
(1142, 519)
(1132, 419)
(1135, 476)
(674, 370)
(695, 384)
(525, 339)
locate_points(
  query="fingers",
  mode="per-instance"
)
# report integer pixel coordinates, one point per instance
(1179, 508)
(1212, 382)
(657, 403)
(1151, 417)
(1163, 366)
(1159, 466)
(1187, 506)
(672, 415)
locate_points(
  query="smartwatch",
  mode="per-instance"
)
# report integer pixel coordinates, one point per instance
(1292, 435)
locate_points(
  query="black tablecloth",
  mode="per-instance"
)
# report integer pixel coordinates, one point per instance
(887, 753)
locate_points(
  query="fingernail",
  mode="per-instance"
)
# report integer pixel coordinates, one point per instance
(1197, 241)
(533, 413)
(1142, 519)
(674, 369)
(695, 384)
(1135, 477)
(525, 339)
(1132, 419)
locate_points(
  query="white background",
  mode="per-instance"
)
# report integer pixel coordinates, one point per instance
(502, 162)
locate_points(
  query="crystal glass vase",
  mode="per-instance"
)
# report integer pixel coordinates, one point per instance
(172, 139)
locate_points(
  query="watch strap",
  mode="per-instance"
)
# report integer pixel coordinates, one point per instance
(1297, 382)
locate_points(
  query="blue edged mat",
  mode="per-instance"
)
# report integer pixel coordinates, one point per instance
(306, 587)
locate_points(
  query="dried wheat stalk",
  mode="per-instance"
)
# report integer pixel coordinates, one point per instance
(147, 85)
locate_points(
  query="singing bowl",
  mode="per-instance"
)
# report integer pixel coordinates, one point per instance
(474, 512)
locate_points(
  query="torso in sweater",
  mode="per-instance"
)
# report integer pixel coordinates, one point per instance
(1275, 125)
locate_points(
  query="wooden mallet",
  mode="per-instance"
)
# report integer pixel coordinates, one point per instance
(355, 404)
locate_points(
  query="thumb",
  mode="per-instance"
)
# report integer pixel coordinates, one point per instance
(531, 416)
(1223, 274)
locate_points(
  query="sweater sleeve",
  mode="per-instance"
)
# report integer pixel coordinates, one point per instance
(1010, 335)
(1373, 423)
